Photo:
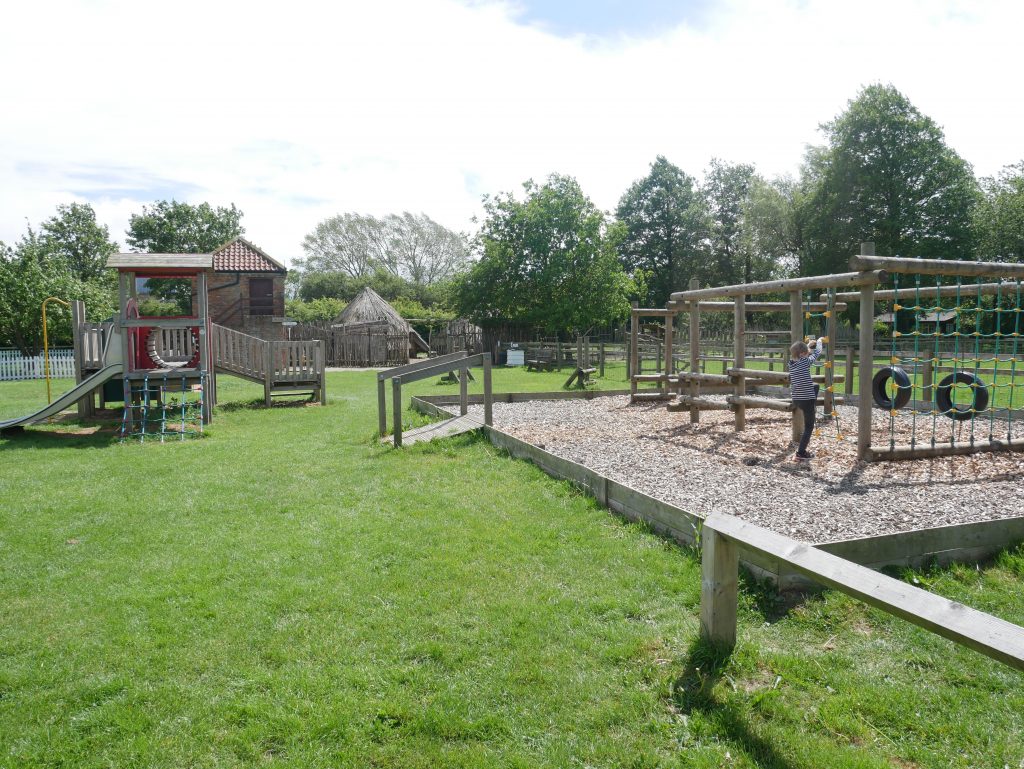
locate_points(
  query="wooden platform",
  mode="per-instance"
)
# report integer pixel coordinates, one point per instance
(444, 429)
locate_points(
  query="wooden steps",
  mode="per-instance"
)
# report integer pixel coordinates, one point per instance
(444, 429)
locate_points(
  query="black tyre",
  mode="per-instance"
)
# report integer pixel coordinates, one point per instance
(879, 387)
(944, 396)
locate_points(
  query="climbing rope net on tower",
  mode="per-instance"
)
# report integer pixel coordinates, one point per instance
(164, 406)
(967, 336)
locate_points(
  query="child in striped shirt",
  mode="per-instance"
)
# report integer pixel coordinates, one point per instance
(802, 389)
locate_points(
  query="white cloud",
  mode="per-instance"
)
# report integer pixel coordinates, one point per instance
(298, 112)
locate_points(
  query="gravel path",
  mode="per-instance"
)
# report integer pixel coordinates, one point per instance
(709, 467)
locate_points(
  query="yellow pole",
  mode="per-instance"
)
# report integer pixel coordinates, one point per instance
(46, 345)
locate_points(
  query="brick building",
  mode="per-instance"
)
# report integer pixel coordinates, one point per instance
(246, 290)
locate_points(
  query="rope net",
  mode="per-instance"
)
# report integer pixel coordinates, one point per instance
(163, 407)
(953, 362)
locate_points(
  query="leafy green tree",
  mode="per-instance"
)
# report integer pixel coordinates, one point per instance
(886, 175)
(726, 188)
(666, 232)
(999, 218)
(170, 227)
(322, 310)
(29, 274)
(774, 226)
(550, 260)
(74, 242)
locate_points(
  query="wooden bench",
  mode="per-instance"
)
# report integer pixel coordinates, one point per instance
(543, 360)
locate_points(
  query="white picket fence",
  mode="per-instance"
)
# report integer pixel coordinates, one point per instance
(14, 365)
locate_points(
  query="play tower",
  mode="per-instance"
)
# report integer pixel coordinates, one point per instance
(167, 377)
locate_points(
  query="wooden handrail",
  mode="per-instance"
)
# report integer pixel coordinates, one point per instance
(724, 535)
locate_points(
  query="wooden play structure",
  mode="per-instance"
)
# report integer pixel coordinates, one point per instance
(962, 413)
(168, 362)
(459, 363)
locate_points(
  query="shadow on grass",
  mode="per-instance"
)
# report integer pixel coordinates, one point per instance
(255, 404)
(694, 691)
(76, 437)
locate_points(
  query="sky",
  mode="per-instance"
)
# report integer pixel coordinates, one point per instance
(299, 111)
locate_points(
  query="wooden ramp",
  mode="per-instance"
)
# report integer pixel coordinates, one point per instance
(444, 429)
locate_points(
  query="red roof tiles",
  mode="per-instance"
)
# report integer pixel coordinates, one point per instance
(242, 256)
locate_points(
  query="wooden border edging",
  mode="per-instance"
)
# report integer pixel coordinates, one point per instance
(942, 545)
(723, 535)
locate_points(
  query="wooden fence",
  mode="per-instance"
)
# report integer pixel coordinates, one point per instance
(360, 347)
(15, 366)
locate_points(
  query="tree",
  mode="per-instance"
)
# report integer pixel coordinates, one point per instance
(74, 242)
(999, 218)
(774, 225)
(415, 248)
(550, 261)
(666, 231)
(181, 228)
(886, 175)
(29, 274)
(726, 187)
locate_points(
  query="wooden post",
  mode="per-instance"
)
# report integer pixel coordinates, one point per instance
(488, 397)
(268, 370)
(634, 352)
(558, 353)
(205, 364)
(867, 360)
(600, 352)
(124, 278)
(382, 407)
(464, 391)
(927, 374)
(718, 589)
(396, 400)
(694, 351)
(579, 353)
(739, 359)
(848, 384)
(670, 321)
(796, 334)
(586, 353)
(321, 362)
(831, 329)
(84, 405)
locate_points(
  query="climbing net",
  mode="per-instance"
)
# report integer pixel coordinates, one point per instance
(968, 337)
(816, 326)
(163, 407)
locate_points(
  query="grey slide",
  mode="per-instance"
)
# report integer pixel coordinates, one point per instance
(68, 399)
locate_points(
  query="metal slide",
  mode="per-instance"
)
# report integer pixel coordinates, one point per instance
(68, 399)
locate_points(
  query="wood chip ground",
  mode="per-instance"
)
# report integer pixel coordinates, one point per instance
(708, 467)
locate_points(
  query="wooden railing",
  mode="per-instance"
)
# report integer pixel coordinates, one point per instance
(239, 353)
(723, 536)
(278, 365)
(413, 372)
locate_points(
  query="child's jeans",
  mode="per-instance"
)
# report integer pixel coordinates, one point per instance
(807, 407)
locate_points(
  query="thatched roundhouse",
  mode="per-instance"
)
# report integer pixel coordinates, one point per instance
(368, 314)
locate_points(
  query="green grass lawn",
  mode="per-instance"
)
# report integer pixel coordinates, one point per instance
(287, 592)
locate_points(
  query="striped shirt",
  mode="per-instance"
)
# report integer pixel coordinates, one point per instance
(801, 386)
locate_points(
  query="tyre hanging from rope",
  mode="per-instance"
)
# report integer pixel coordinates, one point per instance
(944, 396)
(879, 388)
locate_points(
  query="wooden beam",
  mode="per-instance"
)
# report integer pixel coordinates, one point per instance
(866, 371)
(936, 267)
(947, 449)
(751, 306)
(719, 586)
(991, 636)
(796, 334)
(396, 404)
(488, 394)
(685, 402)
(739, 320)
(753, 401)
(929, 293)
(791, 284)
(694, 353)
(391, 373)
